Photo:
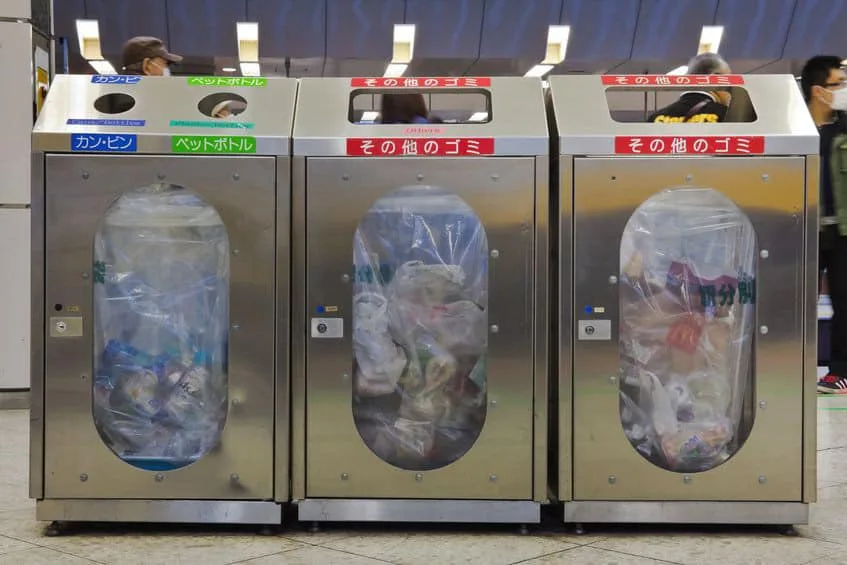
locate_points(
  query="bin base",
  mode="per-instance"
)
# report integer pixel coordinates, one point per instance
(687, 512)
(160, 511)
(405, 510)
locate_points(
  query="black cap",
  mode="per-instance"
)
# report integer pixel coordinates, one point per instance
(139, 48)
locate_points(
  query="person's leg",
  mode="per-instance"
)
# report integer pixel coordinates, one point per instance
(837, 279)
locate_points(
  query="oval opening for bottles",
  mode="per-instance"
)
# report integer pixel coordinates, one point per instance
(161, 322)
(222, 105)
(687, 305)
(420, 328)
(114, 103)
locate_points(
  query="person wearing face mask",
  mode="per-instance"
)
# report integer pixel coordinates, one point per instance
(147, 56)
(701, 106)
(823, 83)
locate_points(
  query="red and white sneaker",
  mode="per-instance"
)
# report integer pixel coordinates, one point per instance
(832, 384)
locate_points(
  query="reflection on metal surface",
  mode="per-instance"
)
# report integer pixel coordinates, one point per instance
(724, 512)
(399, 510)
(66, 327)
(160, 511)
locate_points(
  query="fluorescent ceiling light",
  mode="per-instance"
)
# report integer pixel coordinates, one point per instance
(557, 44)
(229, 69)
(248, 41)
(369, 116)
(103, 67)
(88, 34)
(478, 117)
(539, 70)
(679, 70)
(250, 69)
(395, 69)
(710, 39)
(404, 43)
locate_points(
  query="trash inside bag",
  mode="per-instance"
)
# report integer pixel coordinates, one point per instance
(420, 328)
(161, 320)
(687, 300)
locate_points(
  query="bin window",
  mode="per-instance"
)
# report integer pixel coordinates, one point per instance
(672, 105)
(420, 319)
(161, 312)
(405, 106)
(687, 303)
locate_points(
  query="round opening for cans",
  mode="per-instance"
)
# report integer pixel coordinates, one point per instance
(114, 103)
(222, 105)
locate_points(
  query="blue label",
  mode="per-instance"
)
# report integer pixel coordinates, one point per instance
(104, 142)
(109, 123)
(115, 79)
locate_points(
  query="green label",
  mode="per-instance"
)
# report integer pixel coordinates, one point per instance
(228, 81)
(213, 144)
(218, 125)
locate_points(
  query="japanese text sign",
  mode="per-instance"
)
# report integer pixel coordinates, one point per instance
(421, 82)
(256, 82)
(115, 79)
(213, 144)
(672, 80)
(104, 143)
(107, 123)
(431, 147)
(690, 145)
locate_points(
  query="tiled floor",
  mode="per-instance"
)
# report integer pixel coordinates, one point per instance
(824, 541)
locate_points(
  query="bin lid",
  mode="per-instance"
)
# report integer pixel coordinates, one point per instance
(782, 124)
(512, 120)
(167, 115)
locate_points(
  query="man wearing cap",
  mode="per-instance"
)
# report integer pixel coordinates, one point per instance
(147, 56)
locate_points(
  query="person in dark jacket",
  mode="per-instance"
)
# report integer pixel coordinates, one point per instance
(404, 108)
(824, 85)
(700, 106)
(147, 56)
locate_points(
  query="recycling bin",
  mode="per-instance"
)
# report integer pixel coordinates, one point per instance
(420, 317)
(691, 248)
(158, 204)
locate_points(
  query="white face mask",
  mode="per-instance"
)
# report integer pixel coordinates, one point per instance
(839, 100)
(166, 72)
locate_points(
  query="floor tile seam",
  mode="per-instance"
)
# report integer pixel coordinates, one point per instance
(635, 555)
(315, 543)
(353, 553)
(249, 559)
(542, 556)
(70, 554)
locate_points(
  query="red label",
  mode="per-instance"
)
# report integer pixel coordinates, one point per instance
(684, 335)
(690, 145)
(427, 147)
(673, 80)
(421, 82)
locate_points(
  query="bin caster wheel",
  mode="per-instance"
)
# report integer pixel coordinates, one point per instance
(55, 529)
(789, 531)
(523, 530)
(315, 527)
(579, 530)
(268, 531)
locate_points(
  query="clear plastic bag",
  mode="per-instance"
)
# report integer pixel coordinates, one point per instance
(161, 315)
(420, 327)
(688, 258)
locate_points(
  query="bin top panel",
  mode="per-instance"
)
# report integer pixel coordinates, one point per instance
(510, 119)
(782, 124)
(163, 115)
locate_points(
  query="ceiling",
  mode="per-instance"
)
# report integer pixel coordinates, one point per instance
(465, 37)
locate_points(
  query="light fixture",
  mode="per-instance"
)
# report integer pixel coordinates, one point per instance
(710, 39)
(103, 67)
(557, 47)
(250, 69)
(88, 34)
(369, 116)
(404, 50)
(228, 69)
(478, 117)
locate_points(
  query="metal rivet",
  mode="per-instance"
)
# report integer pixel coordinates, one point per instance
(612, 479)
(764, 254)
(762, 479)
(236, 177)
(763, 330)
(495, 177)
(419, 176)
(689, 178)
(613, 280)
(495, 328)
(345, 278)
(495, 254)
(345, 177)
(345, 376)
(524, 226)
(763, 404)
(161, 176)
(236, 326)
(83, 477)
(83, 377)
(344, 476)
(766, 177)
(492, 478)
(236, 251)
(84, 275)
(493, 404)
(613, 380)
(686, 479)
(418, 477)
(236, 402)
(160, 477)
(235, 478)
(86, 175)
